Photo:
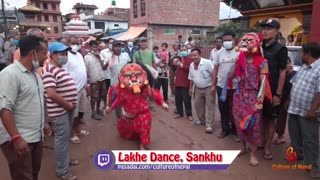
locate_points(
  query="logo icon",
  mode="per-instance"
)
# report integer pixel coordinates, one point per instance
(291, 155)
(104, 160)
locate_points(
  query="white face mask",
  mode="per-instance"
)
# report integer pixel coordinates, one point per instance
(110, 46)
(75, 48)
(130, 44)
(228, 44)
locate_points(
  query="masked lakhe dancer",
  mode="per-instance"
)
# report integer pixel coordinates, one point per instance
(132, 95)
(251, 72)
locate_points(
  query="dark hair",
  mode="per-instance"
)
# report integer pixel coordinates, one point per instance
(59, 39)
(29, 43)
(179, 36)
(71, 36)
(155, 47)
(93, 42)
(288, 60)
(229, 33)
(177, 57)
(108, 40)
(196, 49)
(190, 39)
(290, 35)
(164, 44)
(218, 38)
(312, 48)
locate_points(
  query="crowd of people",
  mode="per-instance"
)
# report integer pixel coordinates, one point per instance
(44, 89)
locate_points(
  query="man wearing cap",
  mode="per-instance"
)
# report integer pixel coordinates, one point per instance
(277, 55)
(22, 111)
(144, 55)
(116, 62)
(131, 48)
(61, 96)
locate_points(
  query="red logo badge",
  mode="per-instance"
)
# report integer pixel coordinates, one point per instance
(291, 155)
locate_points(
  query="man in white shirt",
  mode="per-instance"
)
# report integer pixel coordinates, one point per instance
(95, 68)
(200, 73)
(224, 61)
(104, 54)
(218, 48)
(77, 70)
(116, 62)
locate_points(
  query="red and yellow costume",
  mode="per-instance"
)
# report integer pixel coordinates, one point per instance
(132, 95)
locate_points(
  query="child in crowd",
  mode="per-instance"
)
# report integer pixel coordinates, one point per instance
(163, 55)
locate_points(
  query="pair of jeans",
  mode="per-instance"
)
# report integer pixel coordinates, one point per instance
(62, 128)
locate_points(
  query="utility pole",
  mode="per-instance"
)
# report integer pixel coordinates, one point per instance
(4, 21)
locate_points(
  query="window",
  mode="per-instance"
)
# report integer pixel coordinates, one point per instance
(116, 25)
(89, 25)
(38, 4)
(45, 6)
(55, 19)
(99, 25)
(56, 30)
(46, 18)
(135, 8)
(143, 7)
(195, 32)
(39, 18)
(54, 6)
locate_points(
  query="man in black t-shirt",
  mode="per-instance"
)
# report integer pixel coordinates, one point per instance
(276, 54)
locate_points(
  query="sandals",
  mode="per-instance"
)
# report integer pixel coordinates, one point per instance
(75, 140)
(279, 141)
(74, 162)
(68, 177)
(177, 117)
(198, 122)
(267, 156)
(190, 118)
(83, 133)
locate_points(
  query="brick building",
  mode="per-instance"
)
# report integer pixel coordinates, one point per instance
(50, 15)
(163, 21)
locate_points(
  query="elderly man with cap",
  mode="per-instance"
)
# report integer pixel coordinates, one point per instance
(277, 55)
(116, 62)
(61, 96)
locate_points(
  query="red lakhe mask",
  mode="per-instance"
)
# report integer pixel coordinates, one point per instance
(133, 77)
(250, 43)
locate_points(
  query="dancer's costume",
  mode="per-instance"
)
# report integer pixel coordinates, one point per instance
(131, 94)
(249, 90)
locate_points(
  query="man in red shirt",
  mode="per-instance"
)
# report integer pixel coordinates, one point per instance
(182, 83)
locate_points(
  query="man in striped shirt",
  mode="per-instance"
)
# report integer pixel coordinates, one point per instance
(61, 96)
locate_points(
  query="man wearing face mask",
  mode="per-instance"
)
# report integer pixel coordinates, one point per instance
(22, 111)
(105, 55)
(131, 48)
(224, 62)
(61, 97)
(77, 70)
(95, 69)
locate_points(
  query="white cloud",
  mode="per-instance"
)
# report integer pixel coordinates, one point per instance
(66, 6)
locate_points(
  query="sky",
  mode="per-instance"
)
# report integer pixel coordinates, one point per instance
(66, 6)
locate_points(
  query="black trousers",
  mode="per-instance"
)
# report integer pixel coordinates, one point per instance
(2, 66)
(182, 97)
(225, 108)
(107, 82)
(164, 83)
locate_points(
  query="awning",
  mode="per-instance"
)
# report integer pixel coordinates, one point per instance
(116, 36)
(133, 32)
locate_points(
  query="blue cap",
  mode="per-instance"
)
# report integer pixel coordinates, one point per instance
(58, 47)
